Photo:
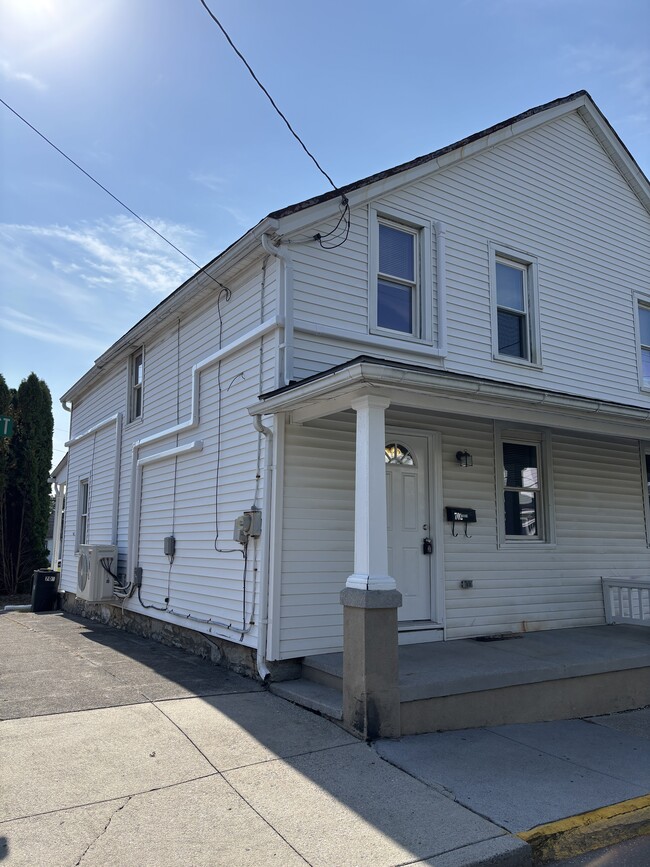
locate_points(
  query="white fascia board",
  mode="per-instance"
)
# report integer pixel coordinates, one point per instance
(455, 394)
(192, 290)
(311, 216)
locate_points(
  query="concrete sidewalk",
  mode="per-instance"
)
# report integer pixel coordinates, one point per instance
(118, 750)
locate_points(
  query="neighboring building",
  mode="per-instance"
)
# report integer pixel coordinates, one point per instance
(477, 320)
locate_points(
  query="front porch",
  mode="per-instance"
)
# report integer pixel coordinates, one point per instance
(531, 677)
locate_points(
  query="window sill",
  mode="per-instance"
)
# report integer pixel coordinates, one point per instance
(517, 543)
(136, 421)
(519, 362)
(399, 337)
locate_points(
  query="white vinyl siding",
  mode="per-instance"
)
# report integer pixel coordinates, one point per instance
(203, 583)
(317, 536)
(599, 519)
(552, 192)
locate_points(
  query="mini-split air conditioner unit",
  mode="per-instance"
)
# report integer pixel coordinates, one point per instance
(94, 579)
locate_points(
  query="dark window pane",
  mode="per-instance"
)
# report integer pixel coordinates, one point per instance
(396, 253)
(511, 334)
(520, 466)
(644, 325)
(647, 473)
(521, 513)
(137, 403)
(510, 287)
(394, 306)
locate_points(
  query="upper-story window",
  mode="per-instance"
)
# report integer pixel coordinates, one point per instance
(644, 341)
(397, 279)
(515, 317)
(136, 382)
(400, 277)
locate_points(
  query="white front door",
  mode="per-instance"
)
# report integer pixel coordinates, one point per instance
(407, 502)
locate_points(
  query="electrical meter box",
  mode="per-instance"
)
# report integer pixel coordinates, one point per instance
(248, 526)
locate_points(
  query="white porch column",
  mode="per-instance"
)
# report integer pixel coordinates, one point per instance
(370, 529)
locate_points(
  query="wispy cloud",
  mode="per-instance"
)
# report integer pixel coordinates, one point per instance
(211, 182)
(625, 69)
(10, 73)
(47, 332)
(120, 253)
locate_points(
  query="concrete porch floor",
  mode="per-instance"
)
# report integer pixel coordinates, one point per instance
(555, 674)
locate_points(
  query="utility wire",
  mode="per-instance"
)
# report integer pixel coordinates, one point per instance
(114, 197)
(268, 95)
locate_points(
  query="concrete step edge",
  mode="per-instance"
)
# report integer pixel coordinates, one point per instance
(311, 695)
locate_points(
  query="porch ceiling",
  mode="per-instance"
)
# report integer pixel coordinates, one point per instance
(407, 385)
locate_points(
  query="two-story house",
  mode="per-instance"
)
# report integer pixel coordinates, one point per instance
(435, 380)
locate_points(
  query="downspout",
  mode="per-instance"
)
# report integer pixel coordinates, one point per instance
(286, 265)
(262, 668)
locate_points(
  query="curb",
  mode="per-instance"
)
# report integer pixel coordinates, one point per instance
(588, 831)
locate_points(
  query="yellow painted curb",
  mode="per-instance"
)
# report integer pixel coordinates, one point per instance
(589, 831)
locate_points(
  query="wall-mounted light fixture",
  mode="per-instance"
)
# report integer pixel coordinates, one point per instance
(464, 459)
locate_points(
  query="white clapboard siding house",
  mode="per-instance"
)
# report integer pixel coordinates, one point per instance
(435, 380)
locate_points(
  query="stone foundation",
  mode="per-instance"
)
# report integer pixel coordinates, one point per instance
(227, 654)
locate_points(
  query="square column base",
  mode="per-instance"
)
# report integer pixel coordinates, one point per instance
(371, 702)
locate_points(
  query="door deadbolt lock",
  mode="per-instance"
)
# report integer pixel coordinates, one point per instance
(427, 546)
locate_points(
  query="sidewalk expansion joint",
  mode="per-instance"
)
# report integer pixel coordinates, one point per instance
(586, 832)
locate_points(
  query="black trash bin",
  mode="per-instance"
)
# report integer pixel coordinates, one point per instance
(44, 587)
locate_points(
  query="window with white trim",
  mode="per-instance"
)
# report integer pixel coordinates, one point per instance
(400, 277)
(523, 485)
(515, 325)
(136, 384)
(645, 482)
(643, 311)
(83, 502)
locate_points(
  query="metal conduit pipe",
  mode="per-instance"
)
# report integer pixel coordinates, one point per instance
(262, 668)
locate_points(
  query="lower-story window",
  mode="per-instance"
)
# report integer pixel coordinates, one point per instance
(524, 483)
(522, 490)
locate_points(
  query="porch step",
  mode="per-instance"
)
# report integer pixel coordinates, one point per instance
(309, 694)
(326, 669)
(557, 674)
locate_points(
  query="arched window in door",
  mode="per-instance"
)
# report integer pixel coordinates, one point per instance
(396, 453)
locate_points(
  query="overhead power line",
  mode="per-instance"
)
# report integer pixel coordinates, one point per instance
(267, 94)
(114, 197)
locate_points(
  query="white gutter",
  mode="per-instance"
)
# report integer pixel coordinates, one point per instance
(262, 633)
(438, 384)
(286, 266)
(183, 427)
(117, 421)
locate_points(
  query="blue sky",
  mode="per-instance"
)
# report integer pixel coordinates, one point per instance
(149, 98)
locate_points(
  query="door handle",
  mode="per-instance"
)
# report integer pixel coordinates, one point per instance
(427, 546)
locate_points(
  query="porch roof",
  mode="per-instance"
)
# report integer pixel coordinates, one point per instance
(404, 384)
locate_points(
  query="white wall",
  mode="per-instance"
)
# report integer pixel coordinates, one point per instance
(552, 193)
(599, 526)
(203, 583)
